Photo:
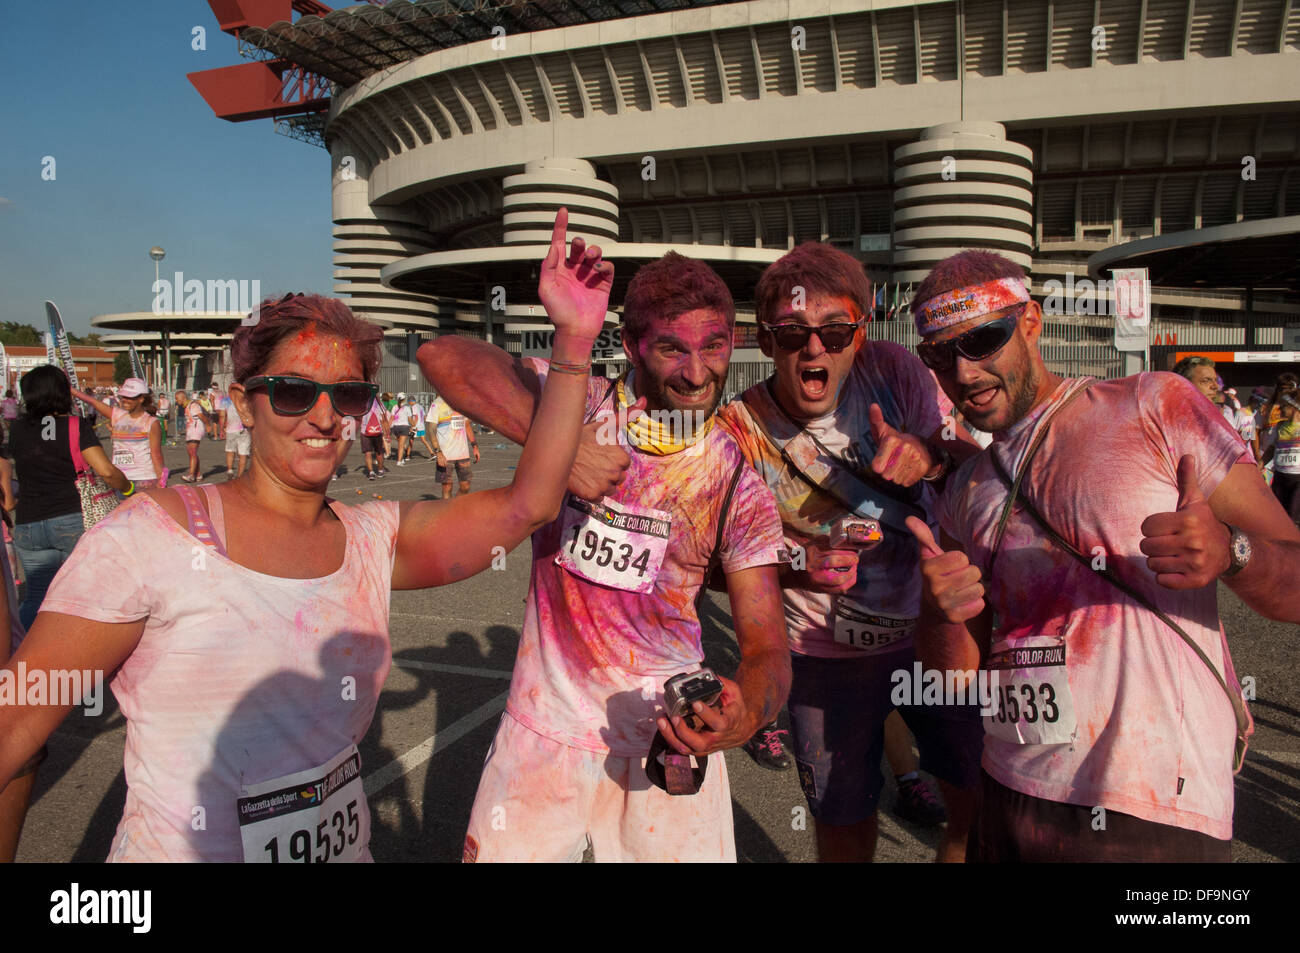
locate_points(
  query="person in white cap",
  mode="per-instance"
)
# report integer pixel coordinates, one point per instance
(137, 436)
(401, 427)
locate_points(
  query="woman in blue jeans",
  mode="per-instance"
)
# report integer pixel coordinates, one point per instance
(48, 521)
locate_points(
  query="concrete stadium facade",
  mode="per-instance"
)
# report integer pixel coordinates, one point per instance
(898, 130)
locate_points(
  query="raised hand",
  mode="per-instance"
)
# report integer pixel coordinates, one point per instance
(950, 585)
(575, 288)
(1189, 547)
(900, 458)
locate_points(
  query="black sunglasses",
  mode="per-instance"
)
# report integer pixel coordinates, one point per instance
(977, 344)
(794, 337)
(294, 396)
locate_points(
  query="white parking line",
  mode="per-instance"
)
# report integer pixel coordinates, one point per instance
(436, 743)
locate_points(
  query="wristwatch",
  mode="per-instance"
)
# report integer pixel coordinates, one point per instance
(946, 462)
(1239, 552)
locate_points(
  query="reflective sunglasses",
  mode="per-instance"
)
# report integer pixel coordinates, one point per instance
(977, 344)
(794, 337)
(294, 396)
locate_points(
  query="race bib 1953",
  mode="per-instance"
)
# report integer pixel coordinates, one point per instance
(870, 631)
(612, 544)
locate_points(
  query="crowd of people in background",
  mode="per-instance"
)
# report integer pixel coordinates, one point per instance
(1269, 422)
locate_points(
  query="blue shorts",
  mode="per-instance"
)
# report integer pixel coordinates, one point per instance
(837, 724)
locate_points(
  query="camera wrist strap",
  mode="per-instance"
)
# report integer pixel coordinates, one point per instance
(675, 775)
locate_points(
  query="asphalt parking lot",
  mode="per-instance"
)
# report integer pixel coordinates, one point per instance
(453, 649)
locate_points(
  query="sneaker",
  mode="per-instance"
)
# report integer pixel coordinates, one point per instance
(370, 474)
(917, 803)
(401, 463)
(383, 471)
(334, 477)
(767, 749)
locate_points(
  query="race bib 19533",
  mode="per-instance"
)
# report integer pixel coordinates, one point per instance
(1032, 700)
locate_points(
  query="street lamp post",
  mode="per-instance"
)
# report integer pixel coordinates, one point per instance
(158, 254)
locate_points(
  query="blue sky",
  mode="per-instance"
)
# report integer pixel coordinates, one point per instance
(140, 160)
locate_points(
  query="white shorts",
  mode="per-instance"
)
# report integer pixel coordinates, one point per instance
(540, 801)
(240, 442)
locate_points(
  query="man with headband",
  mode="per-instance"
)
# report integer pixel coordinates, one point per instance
(611, 614)
(850, 435)
(1076, 570)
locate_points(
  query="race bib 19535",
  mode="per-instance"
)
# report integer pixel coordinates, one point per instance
(612, 544)
(314, 816)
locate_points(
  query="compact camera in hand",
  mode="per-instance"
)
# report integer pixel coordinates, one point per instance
(855, 532)
(681, 692)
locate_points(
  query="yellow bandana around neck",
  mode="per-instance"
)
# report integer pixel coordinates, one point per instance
(661, 433)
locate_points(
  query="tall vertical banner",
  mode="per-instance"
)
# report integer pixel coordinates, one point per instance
(4, 370)
(59, 335)
(1132, 309)
(137, 369)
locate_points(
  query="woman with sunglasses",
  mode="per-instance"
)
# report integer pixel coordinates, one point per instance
(244, 713)
(137, 435)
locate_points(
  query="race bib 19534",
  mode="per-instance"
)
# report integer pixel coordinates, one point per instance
(612, 544)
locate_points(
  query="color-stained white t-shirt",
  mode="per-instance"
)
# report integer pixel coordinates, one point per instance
(889, 580)
(223, 693)
(594, 658)
(1153, 733)
(452, 429)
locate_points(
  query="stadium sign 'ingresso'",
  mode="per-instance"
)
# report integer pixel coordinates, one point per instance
(608, 346)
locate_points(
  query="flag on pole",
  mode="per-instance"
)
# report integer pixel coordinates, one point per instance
(57, 337)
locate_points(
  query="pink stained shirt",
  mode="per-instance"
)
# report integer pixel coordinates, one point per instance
(1155, 732)
(593, 659)
(224, 692)
(889, 579)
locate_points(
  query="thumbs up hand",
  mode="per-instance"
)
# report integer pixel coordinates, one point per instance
(900, 458)
(950, 584)
(1189, 547)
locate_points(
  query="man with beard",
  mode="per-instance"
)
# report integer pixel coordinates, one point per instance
(611, 603)
(1096, 527)
(848, 428)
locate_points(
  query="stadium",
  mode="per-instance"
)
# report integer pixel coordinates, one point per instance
(901, 131)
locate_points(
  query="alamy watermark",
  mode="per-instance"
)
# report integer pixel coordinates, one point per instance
(221, 296)
(673, 426)
(1085, 296)
(917, 686)
(57, 687)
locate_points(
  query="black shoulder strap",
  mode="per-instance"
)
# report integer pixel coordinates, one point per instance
(1234, 698)
(601, 403)
(893, 507)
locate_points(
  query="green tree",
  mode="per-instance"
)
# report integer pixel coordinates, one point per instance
(20, 335)
(121, 367)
